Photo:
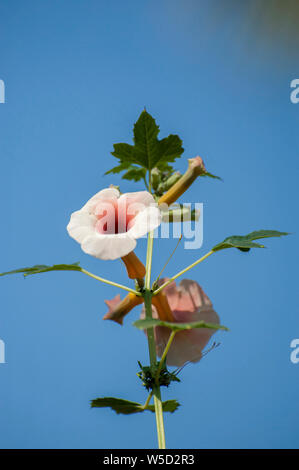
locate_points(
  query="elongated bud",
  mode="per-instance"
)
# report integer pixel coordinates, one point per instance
(135, 268)
(118, 309)
(195, 168)
(178, 213)
(155, 178)
(162, 306)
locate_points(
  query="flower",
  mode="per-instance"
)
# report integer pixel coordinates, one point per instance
(178, 304)
(188, 303)
(108, 225)
(119, 308)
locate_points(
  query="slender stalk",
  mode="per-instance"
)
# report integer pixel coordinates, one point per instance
(153, 360)
(183, 272)
(148, 400)
(165, 354)
(111, 283)
(169, 258)
(159, 417)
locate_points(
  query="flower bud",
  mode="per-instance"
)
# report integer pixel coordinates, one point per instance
(135, 268)
(169, 182)
(155, 178)
(195, 168)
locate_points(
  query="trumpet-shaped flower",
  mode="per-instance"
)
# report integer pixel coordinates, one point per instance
(188, 303)
(184, 303)
(108, 225)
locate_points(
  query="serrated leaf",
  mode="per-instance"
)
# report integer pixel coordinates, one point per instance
(42, 268)
(145, 324)
(245, 242)
(118, 169)
(148, 151)
(165, 167)
(127, 407)
(134, 173)
(169, 149)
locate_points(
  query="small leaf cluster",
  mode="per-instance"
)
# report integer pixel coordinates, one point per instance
(148, 376)
(163, 180)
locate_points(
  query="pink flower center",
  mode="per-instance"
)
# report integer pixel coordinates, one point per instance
(113, 216)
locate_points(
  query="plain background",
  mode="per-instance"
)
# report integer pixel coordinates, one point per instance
(78, 74)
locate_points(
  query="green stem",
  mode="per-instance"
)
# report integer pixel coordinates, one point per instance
(152, 344)
(111, 283)
(150, 331)
(148, 400)
(183, 272)
(159, 417)
(163, 357)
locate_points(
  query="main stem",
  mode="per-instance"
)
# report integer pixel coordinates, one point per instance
(152, 343)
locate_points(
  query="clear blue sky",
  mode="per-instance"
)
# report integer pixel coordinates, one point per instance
(77, 75)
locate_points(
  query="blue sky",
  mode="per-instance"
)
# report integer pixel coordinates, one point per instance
(77, 75)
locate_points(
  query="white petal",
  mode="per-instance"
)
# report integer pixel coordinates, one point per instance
(81, 225)
(144, 222)
(140, 197)
(105, 194)
(108, 246)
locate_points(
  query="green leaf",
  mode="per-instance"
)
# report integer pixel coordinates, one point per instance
(119, 405)
(152, 322)
(168, 150)
(42, 268)
(119, 168)
(134, 173)
(245, 242)
(148, 151)
(127, 407)
(166, 168)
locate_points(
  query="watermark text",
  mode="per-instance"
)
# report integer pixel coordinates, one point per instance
(2, 91)
(294, 97)
(295, 353)
(2, 352)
